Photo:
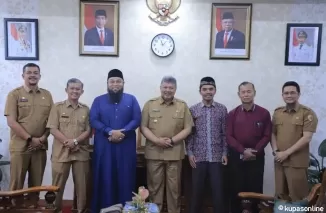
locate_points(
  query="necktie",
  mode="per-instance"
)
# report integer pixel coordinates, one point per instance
(300, 47)
(102, 37)
(225, 39)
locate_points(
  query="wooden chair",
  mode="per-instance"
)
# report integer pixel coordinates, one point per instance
(27, 200)
(266, 203)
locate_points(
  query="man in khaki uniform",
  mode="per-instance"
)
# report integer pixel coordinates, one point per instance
(293, 128)
(27, 110)
(166, 122)
(69, 124)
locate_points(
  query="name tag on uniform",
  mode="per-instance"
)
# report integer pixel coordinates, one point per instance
(23, 99)
(64, 116)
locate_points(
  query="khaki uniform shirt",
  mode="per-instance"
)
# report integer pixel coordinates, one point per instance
(165, 121)
(31, 110)
(288, 127)
(71, 122)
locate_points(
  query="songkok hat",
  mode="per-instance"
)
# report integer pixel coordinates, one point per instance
(100, 13)
(302, 34)
(227, 15)
(115, 73)
(207, 81)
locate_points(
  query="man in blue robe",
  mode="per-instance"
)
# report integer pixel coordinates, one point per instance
(115, 116)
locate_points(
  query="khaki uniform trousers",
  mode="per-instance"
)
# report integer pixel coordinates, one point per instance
(291, 181)
(60, 174)
(159, 173)
(33, 162)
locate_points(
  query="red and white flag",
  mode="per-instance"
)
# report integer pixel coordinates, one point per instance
(88, 17)
(13, 31)
(295, 41)
(218, 20)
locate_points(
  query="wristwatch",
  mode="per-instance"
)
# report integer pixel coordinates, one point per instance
(172, 142)
(274, 152)
(75, 142)
(110, 133)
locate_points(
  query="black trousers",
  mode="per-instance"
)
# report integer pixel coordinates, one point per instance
(246, 176)
(212, 171)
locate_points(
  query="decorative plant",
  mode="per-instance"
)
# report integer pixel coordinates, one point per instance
(139, 200)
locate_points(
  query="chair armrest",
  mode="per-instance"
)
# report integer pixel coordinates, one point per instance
(29, 190)
(254, 195)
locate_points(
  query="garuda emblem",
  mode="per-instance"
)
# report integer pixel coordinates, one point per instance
(163, 11)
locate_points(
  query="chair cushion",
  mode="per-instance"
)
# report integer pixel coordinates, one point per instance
(286, 206)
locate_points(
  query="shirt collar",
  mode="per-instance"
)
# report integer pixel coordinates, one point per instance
(295, 109)
(163, 102)
(69, 104)
(30, 90)
(203, 105)
(250, 110)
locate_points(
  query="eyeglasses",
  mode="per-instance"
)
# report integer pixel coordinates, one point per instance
(290, 93)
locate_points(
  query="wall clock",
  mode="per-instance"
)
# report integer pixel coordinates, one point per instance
(162, 45)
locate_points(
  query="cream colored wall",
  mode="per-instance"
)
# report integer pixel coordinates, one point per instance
(59, 59)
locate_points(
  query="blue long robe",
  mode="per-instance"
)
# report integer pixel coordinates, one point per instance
(114, 164)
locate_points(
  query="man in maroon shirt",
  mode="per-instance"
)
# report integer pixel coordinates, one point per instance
(248, 131)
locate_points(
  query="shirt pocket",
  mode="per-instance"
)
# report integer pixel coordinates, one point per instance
(45, 109)
(258, 128)
(298, 125)
(178, 118)
(64, 124)
(155, 118)
(81, 124)
(24, 109)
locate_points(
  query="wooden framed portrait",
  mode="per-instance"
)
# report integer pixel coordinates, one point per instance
(303, 44)
(21, 39)
(230, 31)
(99, 28)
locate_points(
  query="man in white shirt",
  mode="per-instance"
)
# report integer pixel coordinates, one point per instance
(303, 52)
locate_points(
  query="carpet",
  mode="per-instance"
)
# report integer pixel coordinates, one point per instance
(66, 209)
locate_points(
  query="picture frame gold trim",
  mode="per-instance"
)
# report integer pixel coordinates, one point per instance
(89, 46)
(239, 41)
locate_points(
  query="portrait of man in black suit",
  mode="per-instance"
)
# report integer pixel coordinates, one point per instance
(99, 35)
(229, 38)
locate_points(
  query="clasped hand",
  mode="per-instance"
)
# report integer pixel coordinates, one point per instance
(70, 144)
(35, 144)
(249, 154)
(116, 136)
(281, 156)
(164, 142)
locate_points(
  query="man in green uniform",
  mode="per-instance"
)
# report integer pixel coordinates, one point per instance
(27, 111)
(69, 124)
(166, 122)
(293, 128)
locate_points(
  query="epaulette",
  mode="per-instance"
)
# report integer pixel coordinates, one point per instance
(154, 99)
(59, 103)
(179, 100)
(84, 105)
(279, 108)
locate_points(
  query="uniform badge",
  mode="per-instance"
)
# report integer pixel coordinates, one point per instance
(163, 11)
(43, 98)
(310, 118)
(23, 99)
(155, 110)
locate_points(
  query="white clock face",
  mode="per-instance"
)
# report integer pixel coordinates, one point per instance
(162, 45)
